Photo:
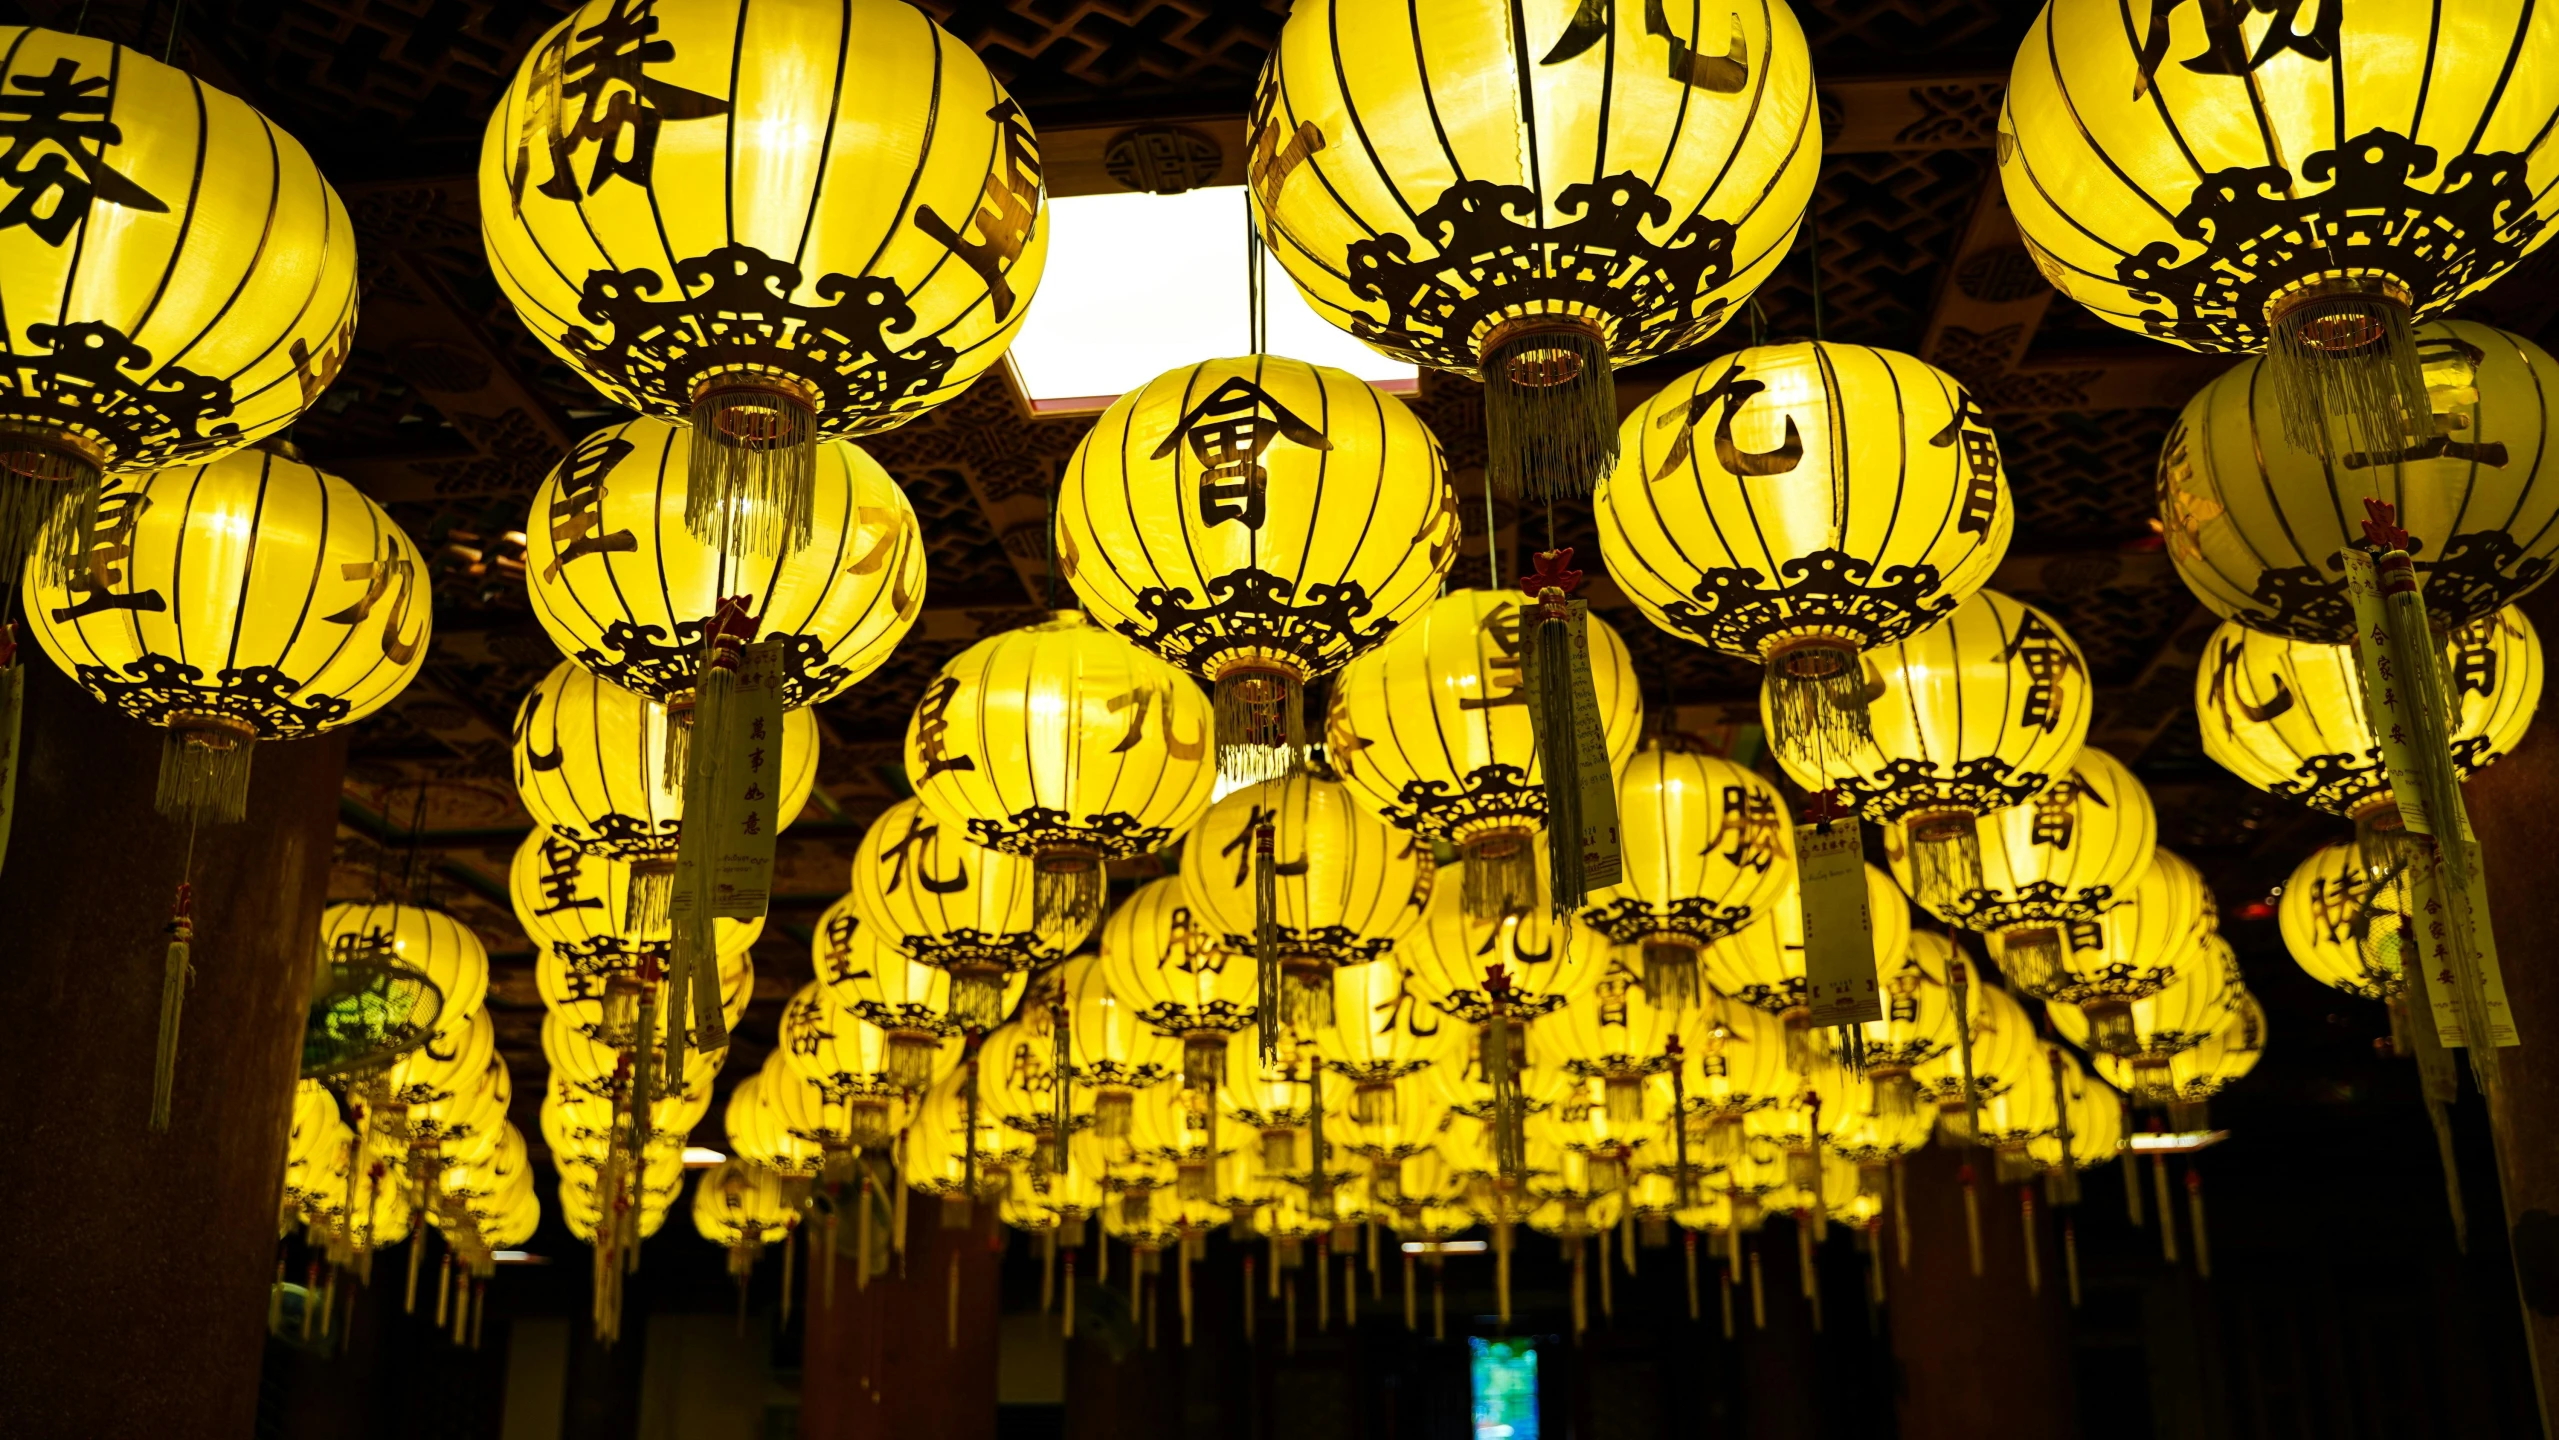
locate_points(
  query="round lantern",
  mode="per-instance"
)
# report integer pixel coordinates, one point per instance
(2197, 1074)
(908, 1000)
(591, 763)
(1762, 965)
(830, 1046)
(1542, 961)
(1382, 1031)
(923, 889)
(740, 1208)
(1165, 956)
(2148, 941)
(2003, 1048)
(753, 1123)
(1621, 1032)
(784, 222)
(2177, 1017)
(2287, 716)
(1111, 1051)
(1794, 505)
(1706, 848)
(1974, 714)
(591, 992)
(2064, 856)
(1566, 187)
(2343, 932)
(622, 588)
(252, 598)
(1344, 887)
(444, 949)
(1257, 522)
(2307, 183)
(1066, 745)
(575, 904)
(2255, 526)
(177, 281)
(1434, 733)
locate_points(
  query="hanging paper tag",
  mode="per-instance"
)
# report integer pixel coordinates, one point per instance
(741, 864)
(2436, 1077)
(1839, 933)
(1602, 865)
(2385, 697)
(2441, 909)
(13, 698)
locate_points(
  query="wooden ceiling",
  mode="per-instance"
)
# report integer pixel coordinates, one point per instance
(450, 412)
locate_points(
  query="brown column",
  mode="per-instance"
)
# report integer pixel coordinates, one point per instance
(2514, 810)
(1978, 1355)
(133, 1287)
(880, 1363)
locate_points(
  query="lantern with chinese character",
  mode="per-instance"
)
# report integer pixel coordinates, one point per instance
(1707, 849)
(2255, 524)
(1918, 1024)
(828, 1044)
(1382, 1032)
(1065, 745)
(922, 888)
(587, 990)
(741, 1208)
(177, 278)
(1762, 965)
(591, 763)
(2287, 715)
(784, 223)
(2196, 1074)
(1533, 194)
(2169, 1021)
(1620, 1032)
(577, 905)
(444, 949)
(1974, 714)
(907, 999)
(1111, 1051)
(1433, 733)
(1257, 522)
(2343, 930)
(757, 1135)
(2310, 182)
(626, 591)
(2079, 846)
(2151, 939)
(1994, 1047)
(1165, 956)
(1737, 518)
(1343, 886)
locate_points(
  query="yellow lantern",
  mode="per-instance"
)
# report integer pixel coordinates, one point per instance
(591, 763)
(443, 1069)
(1707, 848)
(2311, 185)
(925, 890)
(252, 598)
(596, 1059)
(2341, 930)
(1433, 733)
(576, 905)
(2176, 1018)
(1164, 955)
(2095, 1116)
(2002, 1049)
(2064, 856)
(753, 1123)
(1620, 1032)
(442, 948)
(785, 223)
(1541, 961)
(835, 1049)
(1762, 965)
(1976, 713)
(2148, 941)
(622, 588)
(588, 990)
(1737, 518)
(2198, 1074)
(1257, 522)
(1918, 1024)
(1344, 887)
(2287, 716)
(1382, 1031)
(908, 1000)
(740, 1208)
(1533, 192)
(180, 283)
(2255, 525)
(1067, 745)
(1110, 1049)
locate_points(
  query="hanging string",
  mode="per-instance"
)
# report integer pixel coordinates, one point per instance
(177, 12)
(1758, 323)
(79, 25)
(417, 829)
(1813, 250)
(1257, 325)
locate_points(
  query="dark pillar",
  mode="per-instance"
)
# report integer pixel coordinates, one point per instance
(133, 1290)
(880, 1363)
(1977, 1355)
(2512, 811)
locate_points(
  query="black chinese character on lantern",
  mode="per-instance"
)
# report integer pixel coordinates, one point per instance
(600, 71)
(1750, 823)
(1731, 390)
(577, 511)
(933, 726)
(1005, 211)
(2057, 811)
(2048, 658)
(1504, 682)
(1971, 428)
(559, 880)
(1227, 433)
(921, 832)
(47, 163)
(2226, 50)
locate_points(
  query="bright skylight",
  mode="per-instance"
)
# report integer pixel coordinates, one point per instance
(1140, 284)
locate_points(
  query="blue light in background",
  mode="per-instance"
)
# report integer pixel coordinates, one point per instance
(1505, 1373)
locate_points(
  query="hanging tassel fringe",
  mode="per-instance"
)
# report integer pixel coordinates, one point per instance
(1972, 1219)
(1670, 974)
(13, 704)
(1203, 1060)
(2031, 956)
(1559, 748)
(48, 505)
(1550, 408)
(911, 1057)
(2348, 385)
(2111, 1032)
(1306, 988)
(1501, 1069)
(1817, 701)
(2195, 1212)
(1261, 723)
(977, 996)
(1500, 875)
(646, 904)
(751, 483)
(1066, 895)
(1945, 858)
(204, 771)
(175, 975)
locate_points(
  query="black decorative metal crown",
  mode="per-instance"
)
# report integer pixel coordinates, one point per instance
(1330, 944)
(1493, 795)
(909, 1016)
(260, 696)
(1908, 786)
(1113, 835)
(1629, 921)
(2479, 573)
(625, 837)
(641, 658)
(734, 310)
(1828, 590)
(1492, 259)
(952, 949)
(2337, 784)
(2037, 902)
(2260, 239)
(98, 384)
(1255, 611)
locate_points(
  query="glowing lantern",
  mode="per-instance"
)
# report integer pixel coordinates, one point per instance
(2341, 930)
(2198, 1073)
(1762, 965)
(577, 905)
(835, 1049)
(908, 1000)
(2082, 843)
(2177, 1017)
(444, 949)
(2147, 942)
(924, 890)
(1707, 849)
(1166, 958)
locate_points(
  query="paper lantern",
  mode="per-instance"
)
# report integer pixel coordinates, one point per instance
(1068, 746)
(1533, 193)
(622, 588)
(757, 1135)
(908, 1000)
(2147, 941)
(2177, 1017)
(2255, 525)
(1974, 714)
(442, 948)
(577, 905)
(252, 598)
(1382, 1031)
(923, 889)
(2195, 1075)
(178, 279)
(2287, 716)
(740, 1208)
(2003, 1050)
(2064, 856)
(1762, 965)
(1257, 522)
(2341, 930)
(1794, 505)
(1433, 734)
(829, 1045)
(2310, 184)
(784, 223)
(1918, 1024)
(1111, 1051)
(1167, 957)
(1706, 848)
